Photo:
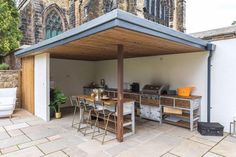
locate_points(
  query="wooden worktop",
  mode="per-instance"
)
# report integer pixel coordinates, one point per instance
(109, 101)
(183, 97)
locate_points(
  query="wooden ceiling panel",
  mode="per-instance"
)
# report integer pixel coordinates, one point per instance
(103, 46)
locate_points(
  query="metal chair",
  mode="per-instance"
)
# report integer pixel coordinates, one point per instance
(77, 105)
(108, 115)
(89, 109)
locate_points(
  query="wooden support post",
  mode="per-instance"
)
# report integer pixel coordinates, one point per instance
(120, 73)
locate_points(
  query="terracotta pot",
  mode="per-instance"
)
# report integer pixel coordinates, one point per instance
(58, 115)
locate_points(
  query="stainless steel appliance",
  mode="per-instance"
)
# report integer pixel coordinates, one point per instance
(155, 89)
(149, 107)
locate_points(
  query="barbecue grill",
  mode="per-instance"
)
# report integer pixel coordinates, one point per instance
(150, 101)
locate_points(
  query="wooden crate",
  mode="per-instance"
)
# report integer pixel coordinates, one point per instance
(167, 101)
(182, 103)
(151, 102)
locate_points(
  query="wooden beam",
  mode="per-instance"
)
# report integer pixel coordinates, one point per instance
(120, 74)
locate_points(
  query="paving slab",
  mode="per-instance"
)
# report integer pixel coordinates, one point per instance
(58, 138)
(4, 135)
(215, 139)
(9, 149)
(210, 154)
(158, 146)
(169, 155)
(1, 129)
(180, 132)
(75, 152)
(190, 148)
(56, 154)
(98, 154)
(55, 137)
(225, 148)
(16, 126)
(14, 133)
(5, 121)
(60, 144)
(24, 119)
(203, 141)
(28, 152)
(230, 139)
(39, 132)
(32, 143)
(115, 150)
(13, 141)
(36, 122)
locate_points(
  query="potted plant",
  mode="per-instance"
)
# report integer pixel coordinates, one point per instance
(57, 98)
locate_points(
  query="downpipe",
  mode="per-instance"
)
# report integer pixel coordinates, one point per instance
(211, 48)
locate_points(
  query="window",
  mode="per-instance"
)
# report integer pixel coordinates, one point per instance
(162, 13)
(153, 7)
(157, 11)
(85, 11)
(158, 8)
(147, 6)
(108, 5)
(53, 25)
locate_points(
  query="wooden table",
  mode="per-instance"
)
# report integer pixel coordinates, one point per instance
(128, 105)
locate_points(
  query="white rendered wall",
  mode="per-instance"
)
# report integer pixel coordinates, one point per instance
(71, 75)
(41, 86)
(224, 82)
(176, 70)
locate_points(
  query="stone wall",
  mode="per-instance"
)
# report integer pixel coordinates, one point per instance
(11, 79)
(76, 12)
(12, 61)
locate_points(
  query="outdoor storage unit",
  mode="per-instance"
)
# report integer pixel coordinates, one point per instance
(210, 129)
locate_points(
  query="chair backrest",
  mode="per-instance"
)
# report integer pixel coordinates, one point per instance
(8, 92)
(74, 101)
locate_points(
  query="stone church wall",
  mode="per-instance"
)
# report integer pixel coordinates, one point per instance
(77, 12)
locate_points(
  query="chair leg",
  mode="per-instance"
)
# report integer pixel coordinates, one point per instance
(95, 125)
(87, 122)
(107, 122)
(74, 116)
(80, 121)
(115, 123)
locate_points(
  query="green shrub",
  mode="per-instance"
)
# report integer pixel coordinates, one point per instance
(4, 66)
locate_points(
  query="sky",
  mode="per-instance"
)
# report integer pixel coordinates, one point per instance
(202, 15)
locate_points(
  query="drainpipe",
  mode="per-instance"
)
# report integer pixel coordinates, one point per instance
(211, 48)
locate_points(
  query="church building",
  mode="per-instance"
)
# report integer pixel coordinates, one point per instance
(43, 19)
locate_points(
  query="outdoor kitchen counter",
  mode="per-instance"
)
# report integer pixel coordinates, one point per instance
(125, 91)
(192, 97)
(186, 109)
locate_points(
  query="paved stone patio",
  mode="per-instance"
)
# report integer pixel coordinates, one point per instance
(26, 135)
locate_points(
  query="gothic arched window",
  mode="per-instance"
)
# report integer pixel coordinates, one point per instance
(163, 11)
(153, 7)
(158, 8)
(108, 5)
(53, 25)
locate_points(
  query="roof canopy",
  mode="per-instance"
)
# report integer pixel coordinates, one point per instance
(98, 39)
